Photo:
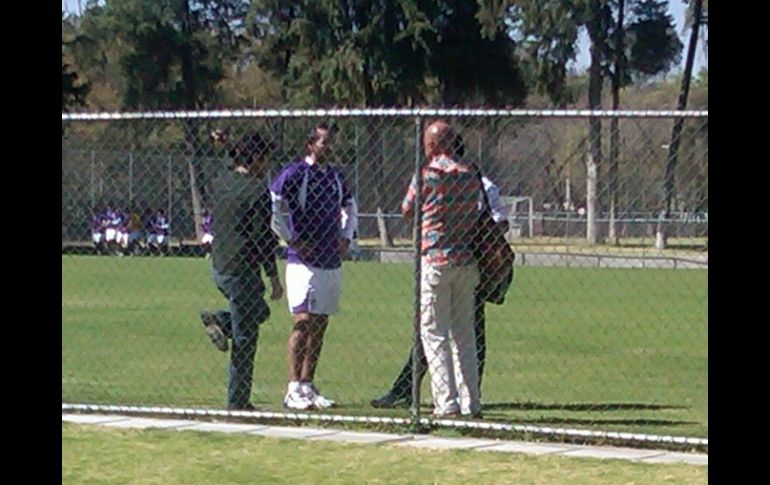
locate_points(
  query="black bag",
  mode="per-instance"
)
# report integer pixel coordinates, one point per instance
(493, 253)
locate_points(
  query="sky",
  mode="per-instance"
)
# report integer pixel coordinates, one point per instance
(581, 63)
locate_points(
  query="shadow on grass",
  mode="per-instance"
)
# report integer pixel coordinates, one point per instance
(523, 406)
(592, 421)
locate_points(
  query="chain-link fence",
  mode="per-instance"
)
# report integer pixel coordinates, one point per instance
(604, 328)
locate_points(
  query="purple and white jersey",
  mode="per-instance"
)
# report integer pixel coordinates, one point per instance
(315, 198)
(160, 225)
(116, 219)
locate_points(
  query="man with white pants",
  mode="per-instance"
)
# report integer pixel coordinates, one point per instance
(316, 197)
(450, 198)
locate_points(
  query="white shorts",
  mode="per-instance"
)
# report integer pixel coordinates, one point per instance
(97, 237)
(110, 234)
(207, 238)
(313, 290)
(156, 239)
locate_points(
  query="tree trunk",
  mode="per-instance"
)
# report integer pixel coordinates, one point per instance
(196, 199)
(190, 89)
(612, 235)
(661, 236)
(196, 175)
(386, 239)
(597, 33)
(377, 139)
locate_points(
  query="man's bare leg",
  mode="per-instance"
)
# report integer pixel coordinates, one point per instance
(297, 346)
(314, 343)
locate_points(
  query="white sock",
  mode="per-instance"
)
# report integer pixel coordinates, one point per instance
(293, 386)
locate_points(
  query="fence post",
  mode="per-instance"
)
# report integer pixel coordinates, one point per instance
(531, 219)
(91, 187)
(417, 230)
(101, 177)
(169, 194)
(355, 167)
(130, 176)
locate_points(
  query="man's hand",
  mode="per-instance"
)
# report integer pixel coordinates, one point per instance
(344, 246)
(277, 293)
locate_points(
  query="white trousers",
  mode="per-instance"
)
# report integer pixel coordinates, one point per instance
(448, 337)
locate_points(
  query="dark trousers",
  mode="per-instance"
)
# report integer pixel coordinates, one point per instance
(402, 387)
(240, 323)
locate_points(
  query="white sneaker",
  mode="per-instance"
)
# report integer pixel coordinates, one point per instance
(297, 400)
(316, 398)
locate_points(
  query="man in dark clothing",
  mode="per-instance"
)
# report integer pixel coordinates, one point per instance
(245, 245)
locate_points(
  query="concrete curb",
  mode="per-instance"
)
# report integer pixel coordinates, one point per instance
(415, 441)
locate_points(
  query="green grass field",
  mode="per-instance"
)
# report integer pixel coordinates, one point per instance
(610, 349)
(101, 455)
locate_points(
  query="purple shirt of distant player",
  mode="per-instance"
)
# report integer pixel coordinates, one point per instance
(99, 222)
(160, 225)
(116, 219)
(207, 223)
(314, 196)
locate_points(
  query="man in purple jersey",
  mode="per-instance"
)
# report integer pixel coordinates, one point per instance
(110, 227)
(157, 239)
(98, 227)
(315, 197)
(208, 233)
(113, 234)
(122, 232)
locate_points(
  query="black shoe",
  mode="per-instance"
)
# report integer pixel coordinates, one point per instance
(390, 400)
(214, 331)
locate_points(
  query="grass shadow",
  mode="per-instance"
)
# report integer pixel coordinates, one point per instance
(524, 406)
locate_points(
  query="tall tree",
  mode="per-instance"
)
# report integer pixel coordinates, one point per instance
(652, 47)
(676, 132)
(598, 19)
(653, 44)
(547, 33)
(473, 67)
(174, 60)
(73, 93)
(618, 70)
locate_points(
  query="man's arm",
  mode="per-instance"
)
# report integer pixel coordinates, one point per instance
(407, 206)
(349, 210)
(349, 219)
(278, 222)
(270, 267)
(499, 211)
